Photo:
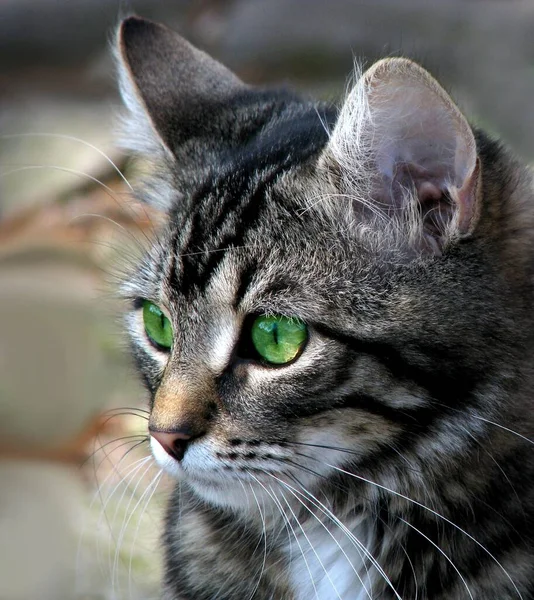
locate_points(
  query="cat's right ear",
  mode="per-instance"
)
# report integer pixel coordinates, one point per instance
(407, 156)
(172, 90)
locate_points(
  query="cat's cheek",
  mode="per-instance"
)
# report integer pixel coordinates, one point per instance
(167, 463)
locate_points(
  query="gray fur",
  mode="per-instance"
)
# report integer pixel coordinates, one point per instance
(395, 448)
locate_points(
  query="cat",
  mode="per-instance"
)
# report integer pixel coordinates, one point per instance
(335, 327)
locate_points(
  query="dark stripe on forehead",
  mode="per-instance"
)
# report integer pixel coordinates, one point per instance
(247, 218)
(202, 257)
(232, 198)
(246, 278)
(172, 276)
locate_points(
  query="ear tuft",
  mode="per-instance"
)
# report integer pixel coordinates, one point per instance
(406, 153)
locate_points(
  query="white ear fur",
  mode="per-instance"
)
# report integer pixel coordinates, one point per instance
(137, 133)
(400, 140)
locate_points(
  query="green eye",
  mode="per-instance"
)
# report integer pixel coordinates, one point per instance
(158, 328)
(278, 340)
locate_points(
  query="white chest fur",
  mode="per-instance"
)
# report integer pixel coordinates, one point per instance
(330, 564)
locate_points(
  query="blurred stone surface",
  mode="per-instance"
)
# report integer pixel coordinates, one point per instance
(61, 363)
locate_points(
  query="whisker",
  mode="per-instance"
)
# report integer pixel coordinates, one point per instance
(442, 553)
(106, 457)
(288, 523)
(353, 452)
(125, 479)
(434, 512)
(407, 558)
(526, 439)
(126, 520)
(312, 547)
(264, 534)
(109, 220)
(132, 547)
(76, 172)
(360, 546)
(127, 410)
(290, 490)
(292, 529)
(302, 467)
(131, 471)
(496, 464)
(489, 421)
(73, 139)
(97, 495)
(398, 494)
(80, 174)
(124, 437)
(102, 447)
(201, 252)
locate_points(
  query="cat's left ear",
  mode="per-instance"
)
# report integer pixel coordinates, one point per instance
(175, 92)
(404, 150)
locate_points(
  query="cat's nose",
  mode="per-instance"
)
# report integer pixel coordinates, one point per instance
(173, 442)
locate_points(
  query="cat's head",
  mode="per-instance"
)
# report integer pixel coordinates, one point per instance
(325, 294)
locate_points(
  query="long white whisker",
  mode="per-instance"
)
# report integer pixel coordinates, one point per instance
(131, 471)
(112, 194)
(62, 136)
(408, 559)
(505, 428)
(442, 553)
(138, 439)
(398, 494)
(264, 533)
(139, 519)
(113, 222)
(97, 495)
(492, 458)
(125, 481)
(288, 522)
(328, 513)
(202, 252)
(312, 547)
(112, 563)
(120, 539)
(115, 468)
(490, 422)
(76, 172)
(290, 490)
(358, 543)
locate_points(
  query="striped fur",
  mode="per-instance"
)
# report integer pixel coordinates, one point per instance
(391, 459)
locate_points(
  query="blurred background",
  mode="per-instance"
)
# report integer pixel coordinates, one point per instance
(80, 501)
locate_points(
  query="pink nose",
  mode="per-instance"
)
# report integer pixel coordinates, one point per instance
(173, 442)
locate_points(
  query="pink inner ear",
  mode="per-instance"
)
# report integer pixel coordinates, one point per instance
(435, 205)
(422, 144)
(428, 192)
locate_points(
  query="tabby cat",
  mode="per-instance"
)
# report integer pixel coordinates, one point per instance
(335, 326)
